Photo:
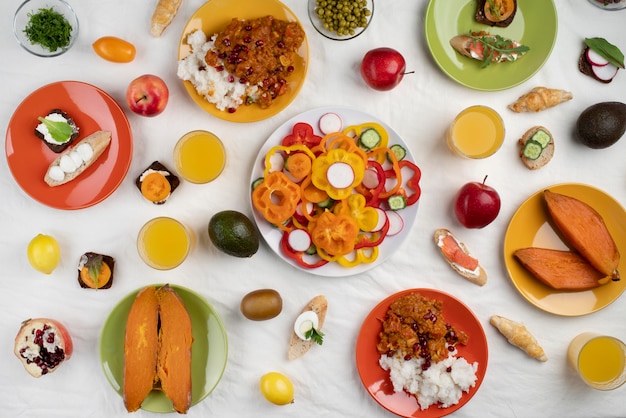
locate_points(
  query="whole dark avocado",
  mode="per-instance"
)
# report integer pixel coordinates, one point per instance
(602, 124)
(234, 233)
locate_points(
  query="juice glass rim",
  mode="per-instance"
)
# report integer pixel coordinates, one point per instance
(183, 139)
(498, 141)
(141, 249)
(599, 385)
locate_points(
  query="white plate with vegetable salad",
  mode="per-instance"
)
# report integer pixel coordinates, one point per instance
(334, 191)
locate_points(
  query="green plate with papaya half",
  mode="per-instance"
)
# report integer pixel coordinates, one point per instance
(535, 25)
(209, 350)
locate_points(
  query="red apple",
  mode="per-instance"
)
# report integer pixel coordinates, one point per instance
(147, 95)
(476, 205)
(383, 68)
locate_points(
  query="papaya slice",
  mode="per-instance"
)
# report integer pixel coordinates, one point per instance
(174, 353)
(140, 348)
(558, 269)
(585, 230)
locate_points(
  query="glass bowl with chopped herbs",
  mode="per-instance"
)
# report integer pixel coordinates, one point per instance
(46, 28)
(341, 20)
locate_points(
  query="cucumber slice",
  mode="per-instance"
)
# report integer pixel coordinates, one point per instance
(399, 151)
(542, 137)
(396, 202)
(532, 149)
(256, 182)
(370, 138)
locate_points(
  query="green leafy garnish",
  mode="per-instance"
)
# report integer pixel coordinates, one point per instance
(495, 11)
(495, 47)
(49, 29)
(95, 266)
(60, 131)
(315, 335)
(607, 50)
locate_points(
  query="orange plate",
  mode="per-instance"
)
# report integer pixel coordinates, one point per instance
(376, 380)
(530, 226)
(213, 17)
(92, 109)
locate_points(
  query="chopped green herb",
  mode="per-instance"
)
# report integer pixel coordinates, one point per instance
(606, 50)
(495, 11)
(60, 131)
(315, 335)
(496, 45)
(49, 29)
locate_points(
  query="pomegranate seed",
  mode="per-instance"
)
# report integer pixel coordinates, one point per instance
(408, 357)
(219, 68)
(226, 42)
(243, 80)
(248, 28)
(280, 44)
(247, 39)
(231, 78)
(259, 43)
(290, 69)
(449, 369)
(232, 110)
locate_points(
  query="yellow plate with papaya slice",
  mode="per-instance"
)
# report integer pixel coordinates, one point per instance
(531, 226)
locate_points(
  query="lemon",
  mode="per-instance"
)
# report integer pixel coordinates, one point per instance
(277, 388)
(44, 253)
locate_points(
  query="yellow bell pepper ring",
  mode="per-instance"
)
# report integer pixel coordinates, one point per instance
(337, 172)
(361, 256)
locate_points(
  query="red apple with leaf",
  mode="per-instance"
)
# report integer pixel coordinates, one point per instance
(476, 204)
(147, 95)
(383, 68)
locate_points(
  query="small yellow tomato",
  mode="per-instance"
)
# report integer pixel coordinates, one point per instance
(277, 388)
(114, 49)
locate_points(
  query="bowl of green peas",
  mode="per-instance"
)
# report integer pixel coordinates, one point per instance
(45, 28)
(341, 20)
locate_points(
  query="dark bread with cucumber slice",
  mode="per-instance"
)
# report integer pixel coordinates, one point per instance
(536, 147)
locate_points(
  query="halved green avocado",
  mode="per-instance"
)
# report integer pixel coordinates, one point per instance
(602, 124)
(234, 233)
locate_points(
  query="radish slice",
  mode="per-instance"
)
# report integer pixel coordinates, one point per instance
(299, 240)
(309, 208)
(370, 178)
(277, 162)
(596, 59)
(340, 175)
(382, 219)
(604, 73)
(396, 223)
(330, 122)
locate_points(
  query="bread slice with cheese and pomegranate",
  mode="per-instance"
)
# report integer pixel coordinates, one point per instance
(74, 161)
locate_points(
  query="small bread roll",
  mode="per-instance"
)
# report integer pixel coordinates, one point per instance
(540, 98)
(517, 335)
(163, 15)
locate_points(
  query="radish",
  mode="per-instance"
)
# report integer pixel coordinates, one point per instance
(330, 122)
(299, 240)
(604, 73)
(595, 59)
(396, 223)
(340, 175)
(382, 220)
(277, 162)
(370, 178)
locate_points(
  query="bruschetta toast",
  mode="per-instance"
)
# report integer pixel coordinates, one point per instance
(74, 161)
(459, 257)
(488, 48)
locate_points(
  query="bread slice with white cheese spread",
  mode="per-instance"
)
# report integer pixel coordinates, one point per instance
(74, 161)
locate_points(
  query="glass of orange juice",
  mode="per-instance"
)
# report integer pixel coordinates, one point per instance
(199, 156)
(163, 243)
(477, 132)
(600, 360)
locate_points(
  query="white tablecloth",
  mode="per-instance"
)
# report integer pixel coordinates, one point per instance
(326, 380)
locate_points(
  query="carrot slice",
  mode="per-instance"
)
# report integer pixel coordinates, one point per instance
(155, 187)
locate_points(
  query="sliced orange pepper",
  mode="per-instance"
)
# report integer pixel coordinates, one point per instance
(334, 234)
(298, 165)
(276, 198)
(287, 150)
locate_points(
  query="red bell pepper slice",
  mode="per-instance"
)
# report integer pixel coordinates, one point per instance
(302, 133)
(298, 256)
(412, 183)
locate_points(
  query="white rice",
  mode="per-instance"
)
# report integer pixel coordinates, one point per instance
(213, 85)
(436, 384)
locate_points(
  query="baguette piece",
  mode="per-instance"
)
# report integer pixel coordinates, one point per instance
(458, 256)
(540, 98)
(163, 15)
(543, 149)
(74, 161)
(517, 335)
(299, 347)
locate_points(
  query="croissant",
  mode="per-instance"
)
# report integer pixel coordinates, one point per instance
(540, 98)
(519, 336)
(163, 15)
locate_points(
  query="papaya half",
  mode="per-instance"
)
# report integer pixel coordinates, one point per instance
(157, 349)
(584, 228)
